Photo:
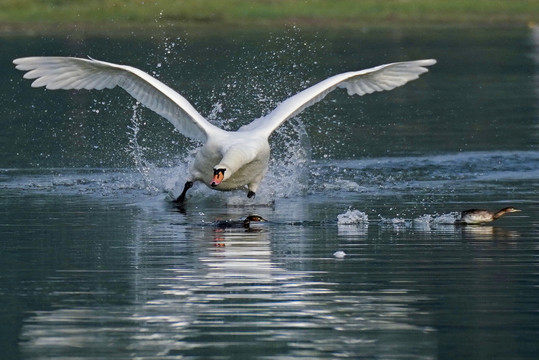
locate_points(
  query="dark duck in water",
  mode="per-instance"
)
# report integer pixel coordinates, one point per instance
(246, 224)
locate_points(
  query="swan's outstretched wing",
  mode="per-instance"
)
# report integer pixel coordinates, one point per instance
(75, 73)
(379, 78)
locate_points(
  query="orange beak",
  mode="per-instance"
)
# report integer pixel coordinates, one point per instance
(218, 176)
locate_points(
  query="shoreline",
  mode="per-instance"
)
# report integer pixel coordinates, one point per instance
(111, 29)
(120, 17)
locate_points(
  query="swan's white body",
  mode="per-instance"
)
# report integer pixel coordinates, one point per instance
(234, 159)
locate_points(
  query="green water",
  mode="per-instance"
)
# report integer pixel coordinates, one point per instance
(96, 263)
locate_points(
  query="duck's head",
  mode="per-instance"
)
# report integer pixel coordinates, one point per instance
(509, 209)
(219, 174)
(253, 218)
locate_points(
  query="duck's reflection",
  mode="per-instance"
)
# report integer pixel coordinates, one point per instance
(488, 233)
(205, 291)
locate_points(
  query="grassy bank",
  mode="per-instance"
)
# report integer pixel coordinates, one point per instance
(123, 13)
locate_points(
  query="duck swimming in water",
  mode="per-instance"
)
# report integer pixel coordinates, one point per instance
(479, 216)
(240, 223)
(228, 160)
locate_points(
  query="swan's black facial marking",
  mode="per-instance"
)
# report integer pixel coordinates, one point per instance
(218, 176)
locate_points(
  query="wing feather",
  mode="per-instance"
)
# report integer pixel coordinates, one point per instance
(379, 78)
(75, 73)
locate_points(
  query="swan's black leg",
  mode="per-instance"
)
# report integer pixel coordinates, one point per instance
(251, 194)
(186, 187)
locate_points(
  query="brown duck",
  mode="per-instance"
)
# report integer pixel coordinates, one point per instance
(479, 216)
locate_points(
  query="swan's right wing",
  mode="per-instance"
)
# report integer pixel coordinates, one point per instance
(379, 78)
(75, 73)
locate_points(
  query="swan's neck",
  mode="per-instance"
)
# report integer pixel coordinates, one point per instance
(232, 161)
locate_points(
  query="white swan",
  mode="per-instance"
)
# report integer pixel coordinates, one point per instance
(228, 159)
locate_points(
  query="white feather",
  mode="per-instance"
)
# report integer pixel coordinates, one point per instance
(74, 73)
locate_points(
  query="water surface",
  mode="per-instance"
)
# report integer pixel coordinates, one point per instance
(95, 262)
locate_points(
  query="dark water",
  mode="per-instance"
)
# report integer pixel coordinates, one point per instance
(95, 263)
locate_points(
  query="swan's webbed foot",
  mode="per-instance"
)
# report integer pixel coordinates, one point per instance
(186, 187)
(251, 194)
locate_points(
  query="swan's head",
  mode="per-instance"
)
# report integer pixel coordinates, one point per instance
(218, 175)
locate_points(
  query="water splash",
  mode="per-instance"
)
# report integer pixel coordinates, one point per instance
(428, 220)
(135, 149)
(352, 217)
(446, 219)
(255, 91)
(156, 179)
(395, 223)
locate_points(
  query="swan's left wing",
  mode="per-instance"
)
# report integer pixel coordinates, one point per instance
(379, 78)
(75, 73)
